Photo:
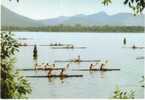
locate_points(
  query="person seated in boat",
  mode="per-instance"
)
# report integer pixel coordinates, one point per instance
(71, 46)
(67, 66)
(78, 59)
(36, 66)
(133, 46)
(91, 67)
(46, 66)
(102, 66)
(39, 66)
(62, 73)
(55, 44)
(49, 72)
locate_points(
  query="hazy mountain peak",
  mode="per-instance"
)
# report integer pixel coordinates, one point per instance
(9, 18)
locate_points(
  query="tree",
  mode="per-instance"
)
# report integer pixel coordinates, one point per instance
(13, 85)
(136, 5)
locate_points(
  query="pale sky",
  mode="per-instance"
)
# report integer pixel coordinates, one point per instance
(44, 9)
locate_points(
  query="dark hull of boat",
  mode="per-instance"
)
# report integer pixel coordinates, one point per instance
(77, 61)
(134, 47)
(139, 58)
(40, 69)
(68, 47)
(96, 70)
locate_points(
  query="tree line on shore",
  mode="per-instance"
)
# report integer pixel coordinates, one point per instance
(76, 28)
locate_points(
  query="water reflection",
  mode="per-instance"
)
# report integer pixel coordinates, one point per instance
(35, 63)
(102, 74)
(49, 79)
(91, 72)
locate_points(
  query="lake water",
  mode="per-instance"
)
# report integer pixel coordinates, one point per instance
(92, 84)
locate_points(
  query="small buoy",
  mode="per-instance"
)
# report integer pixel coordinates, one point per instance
(124, 41)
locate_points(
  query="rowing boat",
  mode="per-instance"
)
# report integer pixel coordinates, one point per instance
(77, 60)
(40, 69)
(139, 58)
(64, 76)
(95, 70)
(68, 47)
(134, 47)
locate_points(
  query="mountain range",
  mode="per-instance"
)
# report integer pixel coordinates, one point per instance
(10, 18)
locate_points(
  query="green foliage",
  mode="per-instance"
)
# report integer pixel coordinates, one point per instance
(106, 2)
(8, 45)
(121, 94)
(78, 28)
(13, 85)
(136, 5)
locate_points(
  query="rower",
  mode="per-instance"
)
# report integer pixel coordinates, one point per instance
(49, 72)
(133, 46)
(67, 66)
(78, 59)
(62, 73)
(36, 66)
(101, 67)
(91, 67)
(55, 44)
(71, 46)
(45, 66)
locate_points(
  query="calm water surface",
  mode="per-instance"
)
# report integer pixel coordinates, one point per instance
(93, 84)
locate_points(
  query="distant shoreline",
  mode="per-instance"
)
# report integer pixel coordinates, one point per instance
(77, 28)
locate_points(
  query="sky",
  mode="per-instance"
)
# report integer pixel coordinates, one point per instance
(44, 9)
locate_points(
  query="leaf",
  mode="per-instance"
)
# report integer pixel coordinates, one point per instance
(126, 1)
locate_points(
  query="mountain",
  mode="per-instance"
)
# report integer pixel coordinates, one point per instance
(9, 18)
(101, 19)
